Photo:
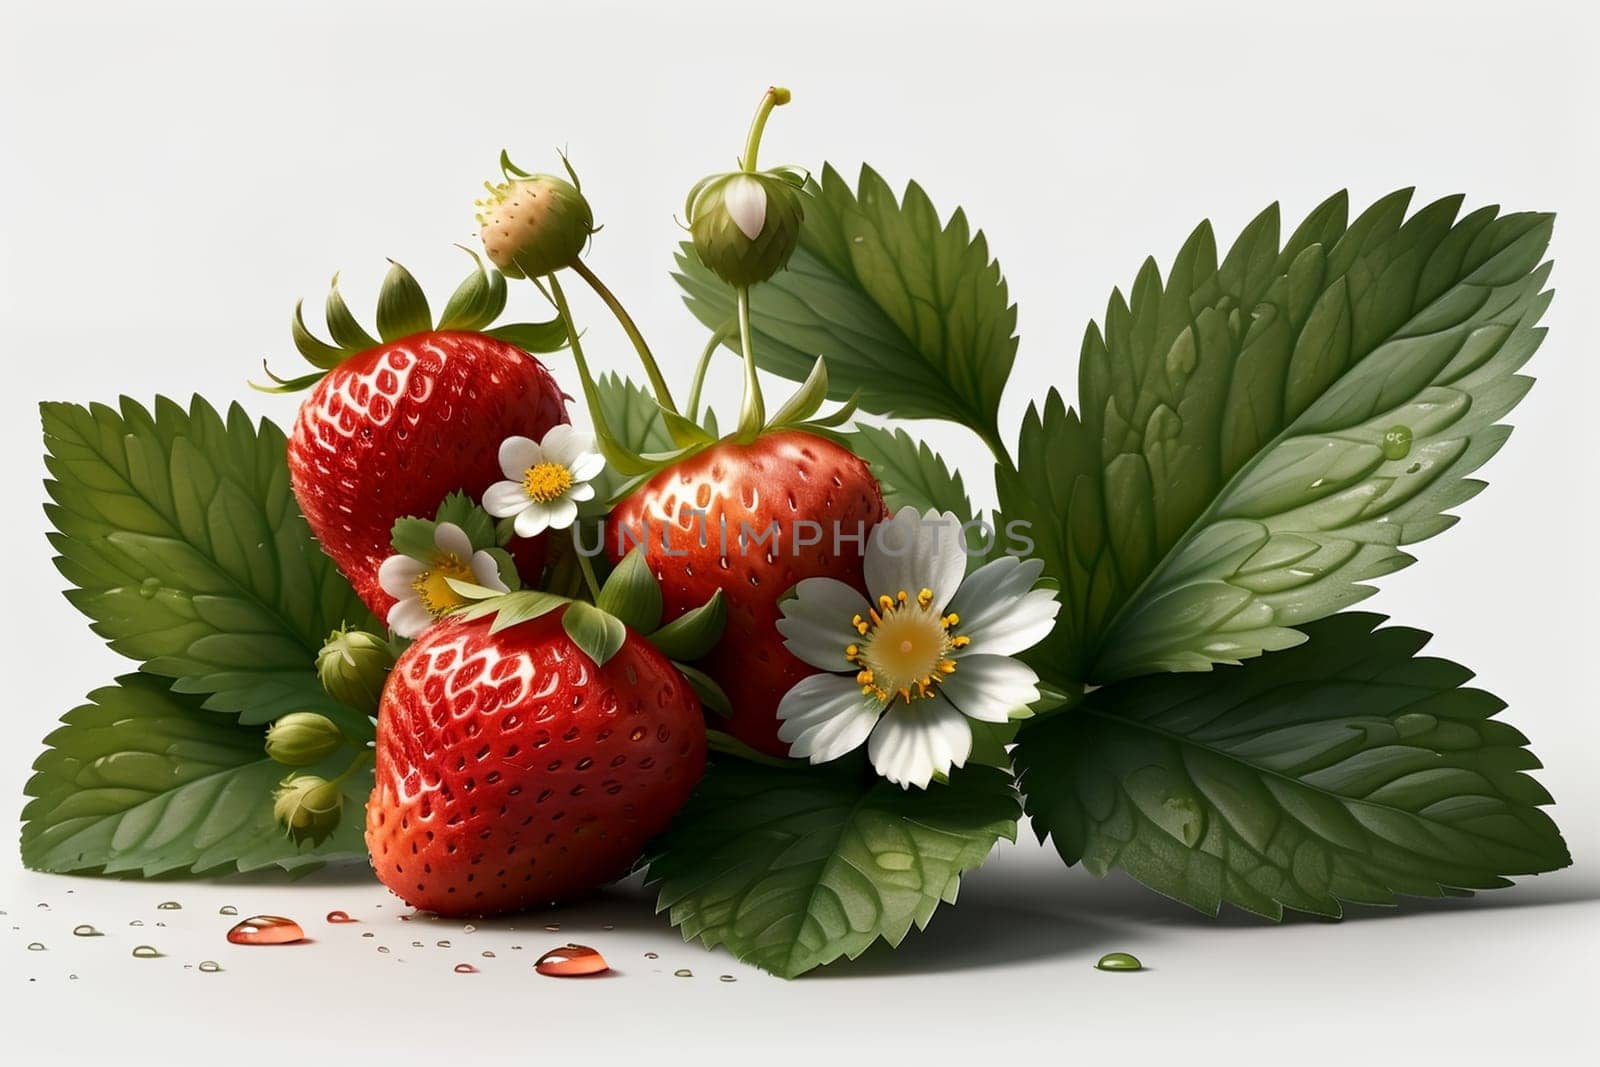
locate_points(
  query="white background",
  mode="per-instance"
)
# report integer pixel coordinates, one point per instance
(176, 175)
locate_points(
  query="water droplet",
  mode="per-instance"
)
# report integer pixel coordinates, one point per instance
(137, 922)
(552, 927)
(488, 955)
(384, 949)
(1119, 961)
(210, 966)
(858, 239)
(340, 917)
(145, 952)
(652, 955)
(609, 926)
(72, 978)
(683, 972)
(416, 944)
(227, 909)
(571, 961)
(36, 946)
(149, 587)
(466, 968)
(895, 861)
(169, 905)
(85, 930)
(726, 978)
(1397, 442)
(516, 948)
(161, 924)
(469, 929)
(266, 930)
(43, 905)
(444, 944)
(369, 933)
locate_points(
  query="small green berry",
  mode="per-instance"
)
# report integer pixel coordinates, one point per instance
(353, 666)
(534, 224)
(308, 806)
(302, 738)
(746, 225)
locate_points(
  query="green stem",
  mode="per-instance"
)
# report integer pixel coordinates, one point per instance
(588, 576)
(657, 381)
(355, 764)
(615, 454)
(722, 334)
(775, 97)
(752, 412)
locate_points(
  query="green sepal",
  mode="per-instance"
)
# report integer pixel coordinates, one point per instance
(505, 566)
(599, 634)
(694, 633)
(686, 433)
(807, 400)
(632, 594)
(287, 385)
(477, 301)
(706, 688)
(342, 326)
(316, 352)
(506, 609)
(542, 337)
(402, 306)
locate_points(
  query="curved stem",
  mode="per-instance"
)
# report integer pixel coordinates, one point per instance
(614, 452)
(589, 579)
(355, 764)
(722, 334)
(775, 97)
(658, 382)
(753, 412)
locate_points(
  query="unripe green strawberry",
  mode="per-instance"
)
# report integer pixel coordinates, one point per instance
(533, 224)
(746, 225)
(309, 806)
(352, 667)
(302, 738)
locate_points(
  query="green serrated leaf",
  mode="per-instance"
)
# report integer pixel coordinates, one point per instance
(1346, 770)
(912, 313)
(695, 632)
(414, 537)
(1234, 473)
(599, 634)
(146, 781)
(186, 550)
(632, 594)
(638, 423)
(909, 472)
(793, 869)
(463, 511)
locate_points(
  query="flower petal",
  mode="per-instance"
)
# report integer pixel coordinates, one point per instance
(746, 201)
(563, 513)
(571, 448)
(517, 454)
(505, 499)
(990, 688)
(397, 573)
(586, 466)
(449, 537)
(556, 443)
(486, 572)
(532, 520)
(913, 552)
(1001, 611)
(913, 742)
(408, 617)
(581, 492)
(825, 716)
(816, 622)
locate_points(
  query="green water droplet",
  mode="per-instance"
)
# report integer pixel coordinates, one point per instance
(85, 930)
(895, 861)
(1190, 820)
(145, 952)
(1119, 961)
(1413, 723)
(683, 972)
(210, 966)
(36, 946)
(149, 587)
(227, 909)
(1397, 442)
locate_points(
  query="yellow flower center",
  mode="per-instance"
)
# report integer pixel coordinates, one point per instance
(905, 648)
(544, 482)
(432, 589)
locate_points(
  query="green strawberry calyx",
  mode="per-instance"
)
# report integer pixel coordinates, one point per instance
(403, 312)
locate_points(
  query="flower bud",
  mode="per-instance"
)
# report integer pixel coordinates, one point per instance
(308, 806)
(746, 225)
(534, 224)
(302, 738)
(352, 667)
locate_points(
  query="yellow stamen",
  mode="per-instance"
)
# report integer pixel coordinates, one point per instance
(906, 652)
(544, 482)
(434, 591)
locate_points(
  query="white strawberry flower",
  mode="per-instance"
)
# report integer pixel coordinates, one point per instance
(746, 201)
(546, 480)
(419, 587)
(910, 669)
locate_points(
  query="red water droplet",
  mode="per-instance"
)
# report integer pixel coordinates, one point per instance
(466, 968)
(266, 930)
(571, 961)
(341, 917)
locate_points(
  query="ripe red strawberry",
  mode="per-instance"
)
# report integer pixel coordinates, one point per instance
(781, 477)
(513, 772)
(393, 427)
